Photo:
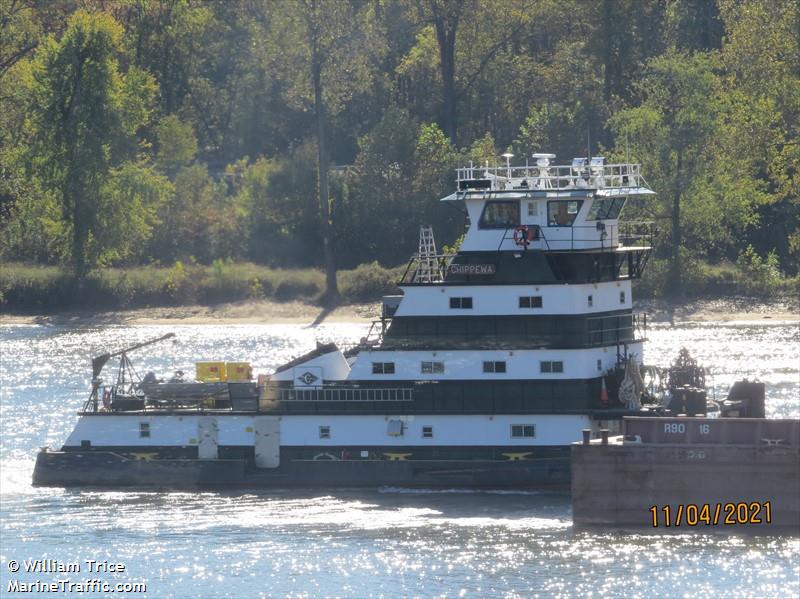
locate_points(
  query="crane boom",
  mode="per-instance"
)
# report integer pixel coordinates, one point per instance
(99, 361)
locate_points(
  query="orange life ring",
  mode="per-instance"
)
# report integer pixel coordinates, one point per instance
(523, 235)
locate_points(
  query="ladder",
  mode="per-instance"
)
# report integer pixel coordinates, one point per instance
(428, 270)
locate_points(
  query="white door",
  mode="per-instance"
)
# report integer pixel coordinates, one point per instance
(267, 441)
(207, 431)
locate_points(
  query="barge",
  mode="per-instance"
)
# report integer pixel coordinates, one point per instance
(685, 473)
(482, 373)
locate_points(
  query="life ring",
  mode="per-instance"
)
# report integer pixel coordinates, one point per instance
(325, 456)
(523, 235)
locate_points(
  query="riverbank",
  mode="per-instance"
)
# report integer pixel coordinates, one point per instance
(295, 312)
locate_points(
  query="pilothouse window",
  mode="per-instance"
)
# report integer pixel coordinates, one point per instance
(499, 215)
(605, 209)
(562, 213)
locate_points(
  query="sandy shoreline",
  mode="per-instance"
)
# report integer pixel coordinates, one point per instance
(267, 312)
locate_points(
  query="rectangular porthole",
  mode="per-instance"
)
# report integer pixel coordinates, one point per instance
(144, 430)
(531, 301)
(523, 431)
(599, 365)
(551, 366)
(427, 432)
(461, 303)
(621, 297)
(383, 368)
(325, 432)
(494, 367)
(590, 301)
(432, 367)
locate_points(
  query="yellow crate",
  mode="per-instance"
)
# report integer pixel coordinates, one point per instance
(239, 371)
(210, 372)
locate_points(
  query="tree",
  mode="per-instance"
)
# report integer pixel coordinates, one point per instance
(86, 114)
(323, 47)
(671, 131)
(490, 26)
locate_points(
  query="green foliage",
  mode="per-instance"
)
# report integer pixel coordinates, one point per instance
(760, 276)
(369, 282)
(84, 113)
(177, 144)
(154, 132)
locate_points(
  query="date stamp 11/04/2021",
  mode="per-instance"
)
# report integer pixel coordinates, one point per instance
(711, 514)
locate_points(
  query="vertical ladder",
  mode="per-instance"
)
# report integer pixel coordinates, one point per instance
(427, 262)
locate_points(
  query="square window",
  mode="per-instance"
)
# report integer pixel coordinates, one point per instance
(383, 368)
(144, 429)
(558, 366)
(325, 432)
(523, 431)
(427, 432)
(463, 303)
(499, 366)
(524, 302)
(545, 366)
(427, 367)
(438, 367)
(488, 366)
(536, 301)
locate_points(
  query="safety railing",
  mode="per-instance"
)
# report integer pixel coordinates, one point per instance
(341, 393)
(628, 328)
(584, 176)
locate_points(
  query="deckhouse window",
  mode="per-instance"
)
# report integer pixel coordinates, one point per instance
(605, 209)
(532, 301)
(590, 301)
(325, 432)
(494, 367)
(562, 213)
(461, 303)
(521, 431)
(551, 366)
(427, 432)
(383, 368)
(499, 215)
(621, 297)
(432, 367)
(144, 429)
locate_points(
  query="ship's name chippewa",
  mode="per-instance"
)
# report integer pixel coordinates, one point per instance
(471, 269)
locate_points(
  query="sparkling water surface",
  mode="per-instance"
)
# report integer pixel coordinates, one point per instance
(386, 542)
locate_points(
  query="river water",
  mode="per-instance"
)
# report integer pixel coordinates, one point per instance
(384, 542)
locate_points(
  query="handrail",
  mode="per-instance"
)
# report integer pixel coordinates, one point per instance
(624, 175)
(345, 393)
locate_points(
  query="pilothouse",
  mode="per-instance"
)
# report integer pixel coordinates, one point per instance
(491, 362)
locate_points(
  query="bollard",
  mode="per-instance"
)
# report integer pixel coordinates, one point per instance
(604, 435)
(587, 434)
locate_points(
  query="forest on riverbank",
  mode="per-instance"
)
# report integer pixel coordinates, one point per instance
(159, 152)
